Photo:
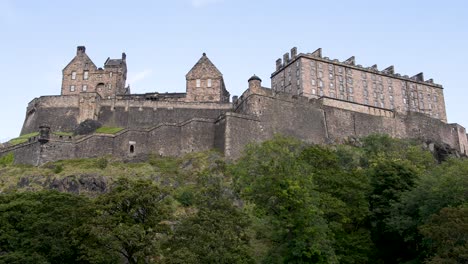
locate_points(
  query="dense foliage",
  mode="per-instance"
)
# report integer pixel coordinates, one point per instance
(283, 201)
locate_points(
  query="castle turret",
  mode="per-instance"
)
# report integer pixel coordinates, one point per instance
(205, 83)
(255, 83)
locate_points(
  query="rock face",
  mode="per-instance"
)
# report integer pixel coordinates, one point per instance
(87, 127)
(78, 184)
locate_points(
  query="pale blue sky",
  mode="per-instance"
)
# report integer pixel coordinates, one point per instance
(164, 39)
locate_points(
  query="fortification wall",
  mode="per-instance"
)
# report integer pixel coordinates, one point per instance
(64, 113)
(58, 112)
(333, 121)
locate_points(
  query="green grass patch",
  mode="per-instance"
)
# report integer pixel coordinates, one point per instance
(109, 130)
(22, 139)
(8, 159)
(66, 134)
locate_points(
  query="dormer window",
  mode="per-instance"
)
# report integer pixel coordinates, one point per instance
(85, 75)
(73, 76)
(198, 83)
(208, 83)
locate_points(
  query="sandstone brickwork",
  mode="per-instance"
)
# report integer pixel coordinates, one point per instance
(81, 75)
(314, 99)
(314, 76)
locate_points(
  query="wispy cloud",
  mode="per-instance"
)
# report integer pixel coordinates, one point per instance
(134, 78)
(201, 3)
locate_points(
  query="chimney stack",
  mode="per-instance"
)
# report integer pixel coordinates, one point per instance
(278, 64)
(80, 50)
(124, 56)
(286, 58)
(293, 53)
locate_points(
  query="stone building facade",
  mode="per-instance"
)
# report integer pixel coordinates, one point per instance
(314, 76)
(203, 118)
(82, 76)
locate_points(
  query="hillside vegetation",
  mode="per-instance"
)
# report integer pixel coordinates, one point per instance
(283, 201)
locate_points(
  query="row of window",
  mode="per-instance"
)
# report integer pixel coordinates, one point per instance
(84, 87)
(208, 83)
(86, 75)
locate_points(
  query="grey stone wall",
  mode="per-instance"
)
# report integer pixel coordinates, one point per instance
(258, 115)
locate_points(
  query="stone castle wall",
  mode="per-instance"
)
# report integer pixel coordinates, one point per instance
(172, 129)
(64, 113)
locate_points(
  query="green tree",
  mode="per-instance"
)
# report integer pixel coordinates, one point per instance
(390, 178)
(216, 232)
(446, 233)
(281, 186)
(40, 227)
(343, 191)
(132, 220)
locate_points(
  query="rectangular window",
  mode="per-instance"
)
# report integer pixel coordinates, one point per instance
(209, 83)
(320, 83)
(320, 74)
(73, 77)
(198, 83)
(313, 82)
(297, 72)
(110, 86)
(85, 87)
(72, 88)
(110, 74)
(313, 91)
(85, 75)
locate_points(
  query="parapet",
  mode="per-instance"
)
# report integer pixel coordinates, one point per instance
(350, 62)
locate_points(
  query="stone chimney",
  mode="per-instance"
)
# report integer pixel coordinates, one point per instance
(80, 50)
(255, 83)
(293, 53)
(124, 56)
(286, 58)
(278, 64)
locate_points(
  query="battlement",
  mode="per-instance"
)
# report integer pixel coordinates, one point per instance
(350, 63)
(312, 98)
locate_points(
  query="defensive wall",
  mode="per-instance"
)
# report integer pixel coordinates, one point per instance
(175, 128)
(64, 113)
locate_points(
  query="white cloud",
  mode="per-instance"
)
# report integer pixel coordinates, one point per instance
(200, 3)
(134, 78)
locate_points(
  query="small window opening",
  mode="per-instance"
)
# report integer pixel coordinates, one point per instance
(132, 149)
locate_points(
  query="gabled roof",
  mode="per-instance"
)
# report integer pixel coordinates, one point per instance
(203, 68)
(85, 57)
(113, 62)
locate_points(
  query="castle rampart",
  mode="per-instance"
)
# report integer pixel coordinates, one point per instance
(304, 103)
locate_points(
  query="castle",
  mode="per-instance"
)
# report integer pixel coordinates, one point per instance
(312, 98)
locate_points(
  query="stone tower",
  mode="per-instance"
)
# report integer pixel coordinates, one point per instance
(82, 76)
(205, 83)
